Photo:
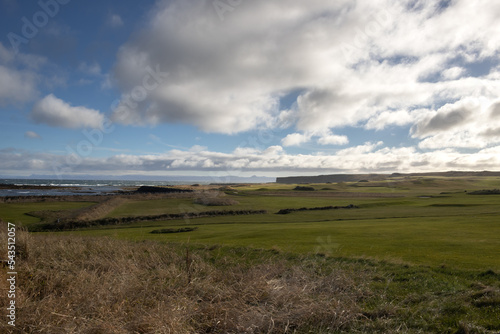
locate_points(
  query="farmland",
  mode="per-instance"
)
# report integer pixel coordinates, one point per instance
(415, 254)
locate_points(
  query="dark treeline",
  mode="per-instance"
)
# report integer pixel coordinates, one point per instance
(485, 192)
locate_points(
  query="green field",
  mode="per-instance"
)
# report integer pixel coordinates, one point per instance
(20, 212)
(426, 221)
(431, 248)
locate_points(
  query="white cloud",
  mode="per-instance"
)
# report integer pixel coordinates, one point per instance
(273, 150)
(388, 118)
(453, 73)
(323, 138)
(461, 139)
(55, 112)
(331, 139)
(368, 147)
(367, 158)
(237, 70)
(295, 139)
(468, 123)
(229, 76)
(448, 117)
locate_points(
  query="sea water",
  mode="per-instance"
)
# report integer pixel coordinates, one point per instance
(77, 187)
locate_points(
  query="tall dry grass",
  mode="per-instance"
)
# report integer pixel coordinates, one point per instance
(99, 210)
(70, 284)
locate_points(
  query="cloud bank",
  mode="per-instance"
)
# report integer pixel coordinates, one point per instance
(274, 160)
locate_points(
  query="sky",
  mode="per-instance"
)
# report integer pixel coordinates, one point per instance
(237, 87)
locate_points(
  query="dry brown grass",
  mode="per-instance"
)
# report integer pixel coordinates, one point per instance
(105, 205)
(99, 210)
(89, 285)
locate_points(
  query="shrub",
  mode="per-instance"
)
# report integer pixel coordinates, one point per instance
(174, 230)
(287, 211)
(161, 190)
(304, 188)
(215, 201)
(485, 192)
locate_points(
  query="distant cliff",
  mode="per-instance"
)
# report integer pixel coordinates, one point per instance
(335, 178)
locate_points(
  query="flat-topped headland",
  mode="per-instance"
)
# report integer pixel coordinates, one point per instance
(335, 178)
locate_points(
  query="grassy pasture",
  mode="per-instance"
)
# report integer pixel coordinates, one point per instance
(457, 242)
(18, 212)
(417, 256)
(425, 221)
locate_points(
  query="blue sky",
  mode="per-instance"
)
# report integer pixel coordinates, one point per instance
(248, 87)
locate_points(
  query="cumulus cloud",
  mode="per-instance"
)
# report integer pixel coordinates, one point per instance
(388, 118)
(367, 147)
(446, 118)
(331, 139)
(464, 124)
(237, 70)
(55, 112)
(295, 139)
(231, 75)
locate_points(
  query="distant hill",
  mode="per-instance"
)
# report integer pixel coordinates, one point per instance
(335, 178)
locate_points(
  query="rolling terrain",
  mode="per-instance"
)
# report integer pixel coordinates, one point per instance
(413, 254)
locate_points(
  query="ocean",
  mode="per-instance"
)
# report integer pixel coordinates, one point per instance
(77, 187)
